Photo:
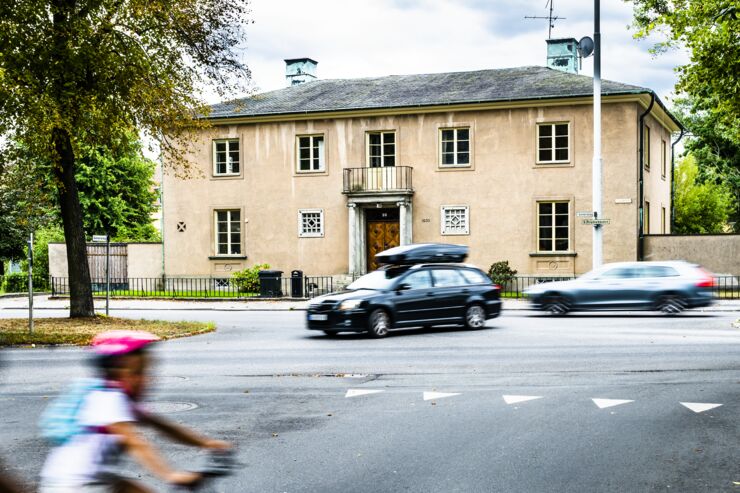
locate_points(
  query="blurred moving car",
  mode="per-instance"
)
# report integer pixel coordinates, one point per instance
(669, 287)
(421, 285)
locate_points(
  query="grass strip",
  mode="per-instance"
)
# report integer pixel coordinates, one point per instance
(80, 331)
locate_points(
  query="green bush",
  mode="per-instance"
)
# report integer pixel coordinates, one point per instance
(18, 283)
(247, 280)
(501, 273)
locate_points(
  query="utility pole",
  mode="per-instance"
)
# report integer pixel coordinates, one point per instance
(597, 164)
(30, 284)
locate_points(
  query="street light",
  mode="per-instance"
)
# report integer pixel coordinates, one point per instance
(596, 173)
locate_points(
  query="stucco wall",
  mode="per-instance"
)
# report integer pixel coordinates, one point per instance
(718, 253)
(143, 260)
(58, 260)
(501, 189)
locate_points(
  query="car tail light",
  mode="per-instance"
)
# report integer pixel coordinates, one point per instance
(497, 287)
(706, 281)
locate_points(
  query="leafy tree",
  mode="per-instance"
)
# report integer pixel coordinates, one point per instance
(700, 207)
(78, 74)
(711, 32)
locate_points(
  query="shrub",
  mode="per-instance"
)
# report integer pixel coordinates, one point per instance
(18, 283)
(501, 273)
(247, 280)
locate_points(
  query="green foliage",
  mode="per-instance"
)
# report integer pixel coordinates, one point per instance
(18, 283)
(700, 207)
(501, 273)
(247, 280)
(41, 240)
(710, 30)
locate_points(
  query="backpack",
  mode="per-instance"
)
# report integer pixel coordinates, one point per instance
(59, 421)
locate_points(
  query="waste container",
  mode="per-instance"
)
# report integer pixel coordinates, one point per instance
(270, 283)
(296, 284)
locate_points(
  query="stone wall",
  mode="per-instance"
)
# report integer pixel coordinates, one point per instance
(718, 253)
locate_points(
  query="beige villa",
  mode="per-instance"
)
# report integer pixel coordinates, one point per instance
(321, 175)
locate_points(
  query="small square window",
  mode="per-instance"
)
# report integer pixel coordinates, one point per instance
(226, 157)
(455, 220)
(553, 143)
(311, 223)
(454, 147)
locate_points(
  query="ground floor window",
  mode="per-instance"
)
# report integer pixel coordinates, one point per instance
(228, 232)
(553, 226)
(311, 223)
(455, 220)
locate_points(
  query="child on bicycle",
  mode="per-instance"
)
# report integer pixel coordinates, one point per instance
(108, 416)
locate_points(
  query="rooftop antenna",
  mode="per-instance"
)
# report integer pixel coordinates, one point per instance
(551, 18)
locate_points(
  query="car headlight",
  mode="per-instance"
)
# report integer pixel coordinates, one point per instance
(349, 304)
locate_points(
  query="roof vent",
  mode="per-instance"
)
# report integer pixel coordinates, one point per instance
(562, 54)
(300, 70)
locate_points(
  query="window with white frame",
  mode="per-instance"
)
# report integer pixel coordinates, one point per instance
(310, 153)
(455, 220)
(553, 231)
(226, 157)
(663, 158)
(228, 232)
(311, 223)
(381, 149)
(553, 143)
(455, 147)
(646, 148)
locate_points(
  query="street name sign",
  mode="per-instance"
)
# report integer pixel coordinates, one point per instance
(596, 221)
(100, 238)
(585, 214)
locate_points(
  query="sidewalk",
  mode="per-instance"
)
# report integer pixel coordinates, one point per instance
(42, 302)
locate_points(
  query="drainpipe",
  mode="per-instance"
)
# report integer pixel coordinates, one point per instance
(673, 178)
(641, 188)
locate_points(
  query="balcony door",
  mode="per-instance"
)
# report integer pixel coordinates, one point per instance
(381, 159)
(383, 232)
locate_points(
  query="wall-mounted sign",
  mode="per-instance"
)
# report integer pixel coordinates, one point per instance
(596, 221)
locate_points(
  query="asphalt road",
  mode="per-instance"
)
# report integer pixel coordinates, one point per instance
(583, 403)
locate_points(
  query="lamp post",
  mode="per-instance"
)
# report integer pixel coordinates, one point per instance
(597, 251)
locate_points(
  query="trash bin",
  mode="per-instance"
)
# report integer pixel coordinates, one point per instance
(270, 283)
(296, 284)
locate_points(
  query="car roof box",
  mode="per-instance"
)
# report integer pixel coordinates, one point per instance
(423, 253)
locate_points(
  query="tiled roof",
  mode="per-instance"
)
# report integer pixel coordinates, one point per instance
(403, 91)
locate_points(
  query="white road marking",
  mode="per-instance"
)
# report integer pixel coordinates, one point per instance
(428, 396)
(699, 407)
(356, 392)
(513, 399)
(604, 403)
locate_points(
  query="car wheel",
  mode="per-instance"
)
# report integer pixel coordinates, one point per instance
(329, 333)
(379, 323)
(670, 304)
(475, 317)
(556, 304)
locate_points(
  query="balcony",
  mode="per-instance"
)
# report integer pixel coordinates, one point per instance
(374, 181)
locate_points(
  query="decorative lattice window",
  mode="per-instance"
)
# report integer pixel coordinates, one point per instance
(553, 231)
(553, 143)
(181, 227)
(311, 223)
(455, 220)
(228, 232)
(226, 157)
(455, 147)
(311, 153)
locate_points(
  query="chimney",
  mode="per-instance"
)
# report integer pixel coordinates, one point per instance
(300, 70)
(562, 54)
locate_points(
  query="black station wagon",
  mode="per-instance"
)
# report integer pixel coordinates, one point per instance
(421, 286)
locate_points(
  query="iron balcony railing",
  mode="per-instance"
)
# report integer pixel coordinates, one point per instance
(387, 179)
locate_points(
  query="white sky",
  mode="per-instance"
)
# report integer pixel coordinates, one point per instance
(364, 38)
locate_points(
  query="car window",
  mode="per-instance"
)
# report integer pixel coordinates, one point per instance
(619, 273)
(659, 271)
(444, 278)
(474, 277)
(418, 280)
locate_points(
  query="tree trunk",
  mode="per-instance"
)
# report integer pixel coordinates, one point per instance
(80, 290)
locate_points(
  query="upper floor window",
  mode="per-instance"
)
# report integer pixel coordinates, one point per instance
(553, 231)
(646, 148)
(381, 149)
(311, 223)
(646, 220)
(663, 158)
(553, 143)
(228, 232)
(311, 153)
(455, 147)
(455, 220)
(226, 157)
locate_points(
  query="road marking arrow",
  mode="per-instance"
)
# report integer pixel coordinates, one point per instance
(699, 407)
(356, 392)
(513, 399)
(604, 403)
(428, 396)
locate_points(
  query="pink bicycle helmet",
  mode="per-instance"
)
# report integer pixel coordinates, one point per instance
(119, 342)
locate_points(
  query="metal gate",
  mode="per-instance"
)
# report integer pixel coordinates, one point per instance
(118, 263)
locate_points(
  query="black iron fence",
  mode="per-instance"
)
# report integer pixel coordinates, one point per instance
(390, 178)
(200, 287)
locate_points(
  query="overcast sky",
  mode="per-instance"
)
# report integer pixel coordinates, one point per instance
(367, 38)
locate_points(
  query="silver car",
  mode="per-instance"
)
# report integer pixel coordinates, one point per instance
(669, 287)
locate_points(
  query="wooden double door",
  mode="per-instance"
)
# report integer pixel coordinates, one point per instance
(383, 232)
